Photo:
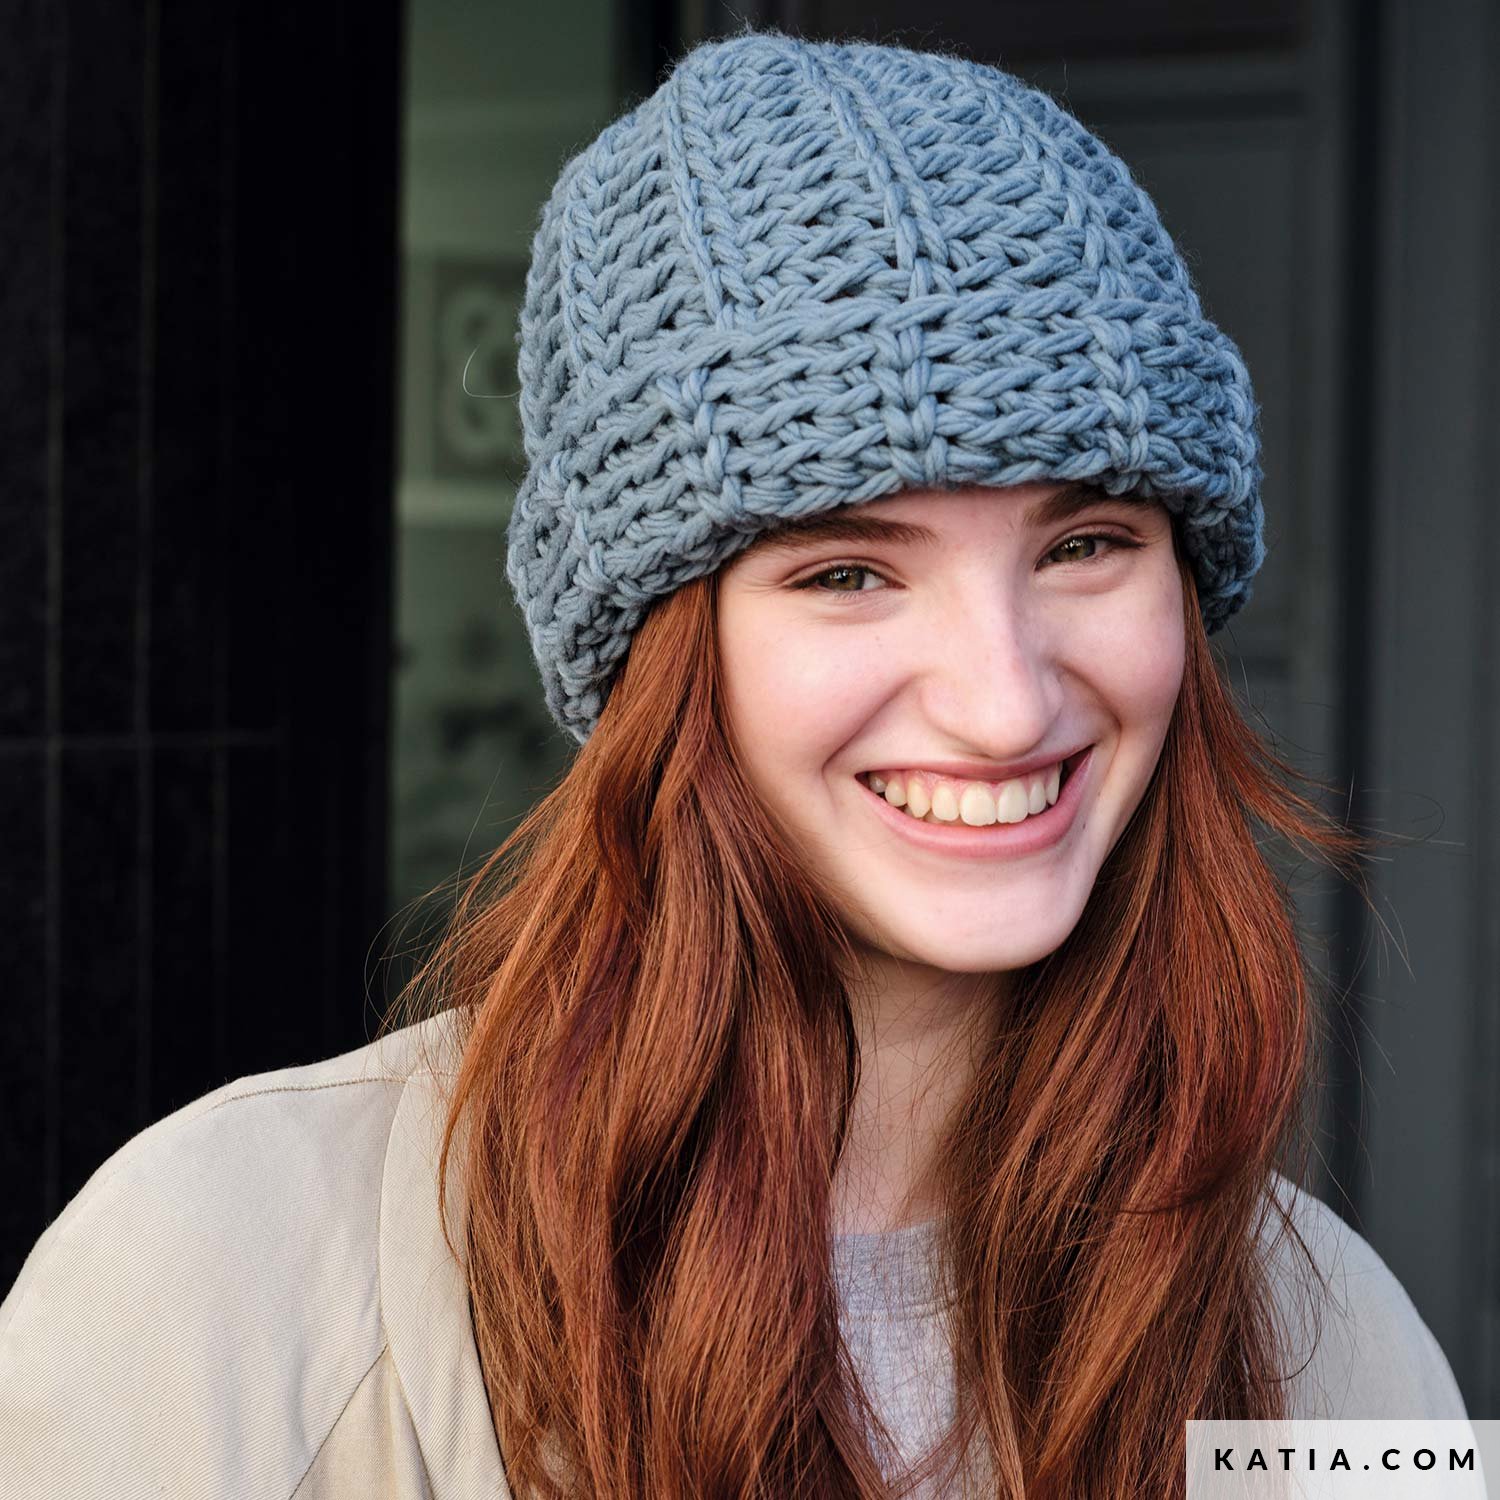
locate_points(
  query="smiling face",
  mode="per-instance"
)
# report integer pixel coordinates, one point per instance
(989, 631)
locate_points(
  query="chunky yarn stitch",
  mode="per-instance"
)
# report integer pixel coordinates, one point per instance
(803, 275)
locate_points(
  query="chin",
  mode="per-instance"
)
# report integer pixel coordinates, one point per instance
(976, 953)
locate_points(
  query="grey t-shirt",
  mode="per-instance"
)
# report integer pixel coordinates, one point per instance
(1372, 1356)
(891, 1323)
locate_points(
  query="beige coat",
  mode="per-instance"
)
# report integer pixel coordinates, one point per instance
(252, 1298)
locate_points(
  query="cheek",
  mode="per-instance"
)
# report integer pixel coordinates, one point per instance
(795, 694)
(1166, 661)
(1131, 657)
(1147, 652)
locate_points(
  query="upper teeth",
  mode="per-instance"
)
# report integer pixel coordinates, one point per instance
(943, 799)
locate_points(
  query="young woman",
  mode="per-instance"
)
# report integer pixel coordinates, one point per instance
(869, 1070)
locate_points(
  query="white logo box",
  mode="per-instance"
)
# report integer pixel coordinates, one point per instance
(1303, 1459)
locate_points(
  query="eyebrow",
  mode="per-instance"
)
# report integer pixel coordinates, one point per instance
(843, 526)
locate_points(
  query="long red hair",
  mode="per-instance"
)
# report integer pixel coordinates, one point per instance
(659, 1061)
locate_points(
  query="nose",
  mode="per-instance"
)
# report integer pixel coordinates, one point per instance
(991, 682)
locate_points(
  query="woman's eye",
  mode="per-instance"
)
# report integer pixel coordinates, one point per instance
(836, 571)
(1091, 536)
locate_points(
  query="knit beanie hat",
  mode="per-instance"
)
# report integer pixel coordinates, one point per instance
(802, 275)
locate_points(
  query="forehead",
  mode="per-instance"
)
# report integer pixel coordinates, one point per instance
(873, 522)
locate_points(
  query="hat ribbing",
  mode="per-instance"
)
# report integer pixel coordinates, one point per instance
(803, 275)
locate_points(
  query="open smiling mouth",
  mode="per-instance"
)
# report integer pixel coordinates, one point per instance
(996, 809)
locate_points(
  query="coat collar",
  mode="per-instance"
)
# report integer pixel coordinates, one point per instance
(423, 1289)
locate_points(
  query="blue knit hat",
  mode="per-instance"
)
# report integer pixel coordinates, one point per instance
(803, 275)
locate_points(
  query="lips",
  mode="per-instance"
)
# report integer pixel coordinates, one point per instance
(1068, 766)
(993, 841)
